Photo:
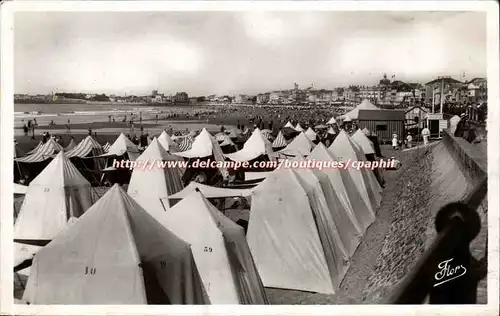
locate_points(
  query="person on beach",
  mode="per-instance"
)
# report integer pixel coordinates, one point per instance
(69, 125)
(425, 135)
(394, 141)
(90, 131)
(25, 129)
(113, 119)
(409, 140)
(156, 122)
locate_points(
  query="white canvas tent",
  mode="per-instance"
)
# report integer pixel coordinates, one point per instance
(332, 121)
(311, 134)
(353, 114)
(299, 128)
(56, 195)
(256, 146)
(122, 146)
(220, 251)
(256, 175)
(284, 238)
(300, 145)
(20, 189)
(45, 152)
(59, 192)
(148, 185)
(167, 142)
(364, 142)
(289, 124)
(116, 253)
(209, 191)
(347, 193)
(331, 131)
(346, 149)
(203, 146)
(280, 141)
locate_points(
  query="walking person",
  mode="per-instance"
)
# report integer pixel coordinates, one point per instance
(409, 140)
(394, 141)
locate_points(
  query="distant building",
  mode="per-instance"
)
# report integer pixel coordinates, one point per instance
(433, 90)
(263, 98)
(416, 116)
(181, 97)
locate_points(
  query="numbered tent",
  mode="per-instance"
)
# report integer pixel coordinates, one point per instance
(152, 182)
(167, 142)
(347, 150)
(220, 251)
(300, 145)
(287, 235)
(346, 199)
(256, 146)
(45, 152)
(362, 141)
(56, 194)
(116, 253)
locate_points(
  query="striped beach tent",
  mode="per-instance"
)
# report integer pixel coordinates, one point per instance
(186, 143)
(167, 142)
(47, 151)
(87, 147)
(280, 141)
(106, 147)
(40, 144)
(72, 144)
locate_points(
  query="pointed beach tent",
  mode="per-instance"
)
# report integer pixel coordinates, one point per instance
(40, 144)
(59, 192)
(72, 144)
(256, 146)
(332, 121)
(366, 131)
(345, 149)
(220, 251)
(328, 221)
(203, 146)
(347, 195)
(280, 141)
(353, 114)
(167, 142)
(148, 185)
(260, 175)
(267, 133)
(289, 124)
(284, 238)
(226, 141)
(47, 151)
(116, 253)
(122, 146)
(331, 131)
(311, 134)
(299, 145)
(209, 192)
(361, 140)
(299, 128)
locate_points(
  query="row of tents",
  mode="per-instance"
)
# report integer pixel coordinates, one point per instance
(163, 243)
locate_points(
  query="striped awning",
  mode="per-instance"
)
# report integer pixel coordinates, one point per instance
(87, 146)
(47, 151)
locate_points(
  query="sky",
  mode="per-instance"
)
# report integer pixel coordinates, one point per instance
(205, 53)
